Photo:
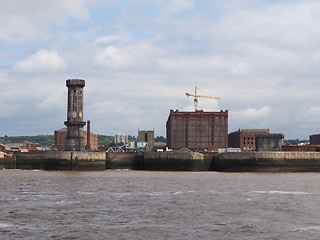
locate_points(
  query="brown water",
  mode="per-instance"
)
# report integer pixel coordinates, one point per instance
(158, 205)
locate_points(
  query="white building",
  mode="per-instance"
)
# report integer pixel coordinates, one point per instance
(121, 138)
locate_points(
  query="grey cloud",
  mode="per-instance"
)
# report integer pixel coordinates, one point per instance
(260, 58)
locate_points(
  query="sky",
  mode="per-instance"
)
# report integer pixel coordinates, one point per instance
(140, 57)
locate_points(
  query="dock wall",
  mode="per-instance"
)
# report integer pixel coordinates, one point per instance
(267, 162)
(30, 160)
(88, 161)
(68, 160)
(168, 161)
(174, 161)
(7, 161)
(124, 160)
(61, 160)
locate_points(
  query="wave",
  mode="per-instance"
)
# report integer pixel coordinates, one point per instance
(5, 225)
(311, 228)
(282, 192)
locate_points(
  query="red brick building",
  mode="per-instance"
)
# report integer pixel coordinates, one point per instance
(61, 135)
(314, 139)
(245, 138)
(21, 146)
(197, 130)
(300, 148)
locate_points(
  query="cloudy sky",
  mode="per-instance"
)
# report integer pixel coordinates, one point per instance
(140, 57)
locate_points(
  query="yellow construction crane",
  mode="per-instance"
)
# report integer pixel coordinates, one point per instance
(196, 95)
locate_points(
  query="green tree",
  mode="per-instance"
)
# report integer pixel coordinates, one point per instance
(160, 139)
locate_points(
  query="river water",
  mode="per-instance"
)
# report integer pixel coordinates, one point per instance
(158, 205)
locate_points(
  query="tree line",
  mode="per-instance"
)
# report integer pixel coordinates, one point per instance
(106, 141)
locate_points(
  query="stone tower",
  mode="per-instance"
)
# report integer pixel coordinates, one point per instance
(75, 123)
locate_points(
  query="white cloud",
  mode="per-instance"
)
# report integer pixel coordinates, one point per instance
(113, 114)
(40, 62)
(255, 118)
(309, 117)
(252, 113)
(205, 66)
(105, 40)
(114, 107)
(180, 5)
(32, 20)
(114, 58)
(52, 101)
(261, 57)
(314, 110)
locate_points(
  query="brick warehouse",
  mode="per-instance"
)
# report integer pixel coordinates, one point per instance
(314, 139)
(197, 130)
(61, 135)
(245, 139)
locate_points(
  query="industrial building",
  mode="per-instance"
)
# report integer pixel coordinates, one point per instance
(19, 146)
(60, 138)
(300, 148)
(146, 136)
(245, 139)
(269, 142)
(314, 139)
(198, 130)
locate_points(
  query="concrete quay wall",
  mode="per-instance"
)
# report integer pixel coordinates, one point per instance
(30, 160)
(61, 160)
(124, 160)
(209, 160)
(174, 161)
(68, 160)
(7, 161)
(266, 162)
(167, 161)
(88, 161)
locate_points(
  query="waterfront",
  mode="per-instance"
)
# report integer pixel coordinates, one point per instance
(158, 205)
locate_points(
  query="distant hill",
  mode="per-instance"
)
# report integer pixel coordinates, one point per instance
(295, 141)
(49, 139)
(40, 139)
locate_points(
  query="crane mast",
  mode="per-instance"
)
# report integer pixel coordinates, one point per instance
(196, 96)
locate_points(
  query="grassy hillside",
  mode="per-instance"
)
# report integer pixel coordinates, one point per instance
(40, 139)
(49, 139)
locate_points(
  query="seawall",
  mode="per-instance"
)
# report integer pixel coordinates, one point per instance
(124, 160)
(61, 160)
(7, 161)
(91, 161)
(266, 162)
(167, 161)
(174, 161)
